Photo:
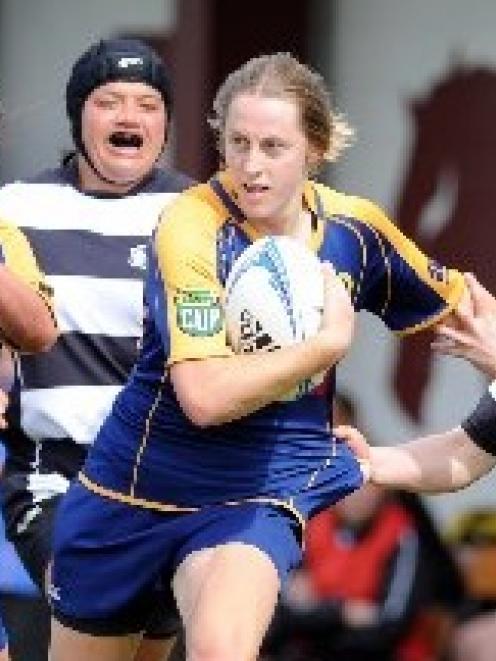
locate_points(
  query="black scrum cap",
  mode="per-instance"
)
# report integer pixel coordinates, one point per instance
(111, 60)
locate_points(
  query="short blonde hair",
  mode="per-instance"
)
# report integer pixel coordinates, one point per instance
(282, 75)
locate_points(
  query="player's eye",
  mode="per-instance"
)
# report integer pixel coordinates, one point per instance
(273, 147)
(150, 104)
(149, 107)
(106, 102)
(239, 142)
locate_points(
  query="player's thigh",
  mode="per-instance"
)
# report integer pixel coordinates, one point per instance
(154, 650)
(226, 596)
(70, 645)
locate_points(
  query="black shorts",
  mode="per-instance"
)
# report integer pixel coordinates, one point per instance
(29, 526)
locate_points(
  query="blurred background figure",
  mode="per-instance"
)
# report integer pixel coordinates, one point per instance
(377, 582)
(473, 538)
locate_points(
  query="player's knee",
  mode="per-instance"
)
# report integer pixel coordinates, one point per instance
(220, 645)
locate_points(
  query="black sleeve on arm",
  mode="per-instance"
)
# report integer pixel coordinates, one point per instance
(480, 425)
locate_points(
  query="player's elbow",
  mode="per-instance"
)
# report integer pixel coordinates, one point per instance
(37, 337)
(46, 339)
(203, 411)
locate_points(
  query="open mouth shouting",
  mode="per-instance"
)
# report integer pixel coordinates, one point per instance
(126, 140)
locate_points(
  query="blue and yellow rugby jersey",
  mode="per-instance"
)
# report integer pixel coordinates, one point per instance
(149, 454)
(16, 254)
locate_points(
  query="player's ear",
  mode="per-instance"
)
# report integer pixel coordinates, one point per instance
(313, 160)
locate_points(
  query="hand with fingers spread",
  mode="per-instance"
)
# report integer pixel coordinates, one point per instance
(473, 336)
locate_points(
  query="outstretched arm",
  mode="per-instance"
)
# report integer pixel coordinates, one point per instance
(435, 463)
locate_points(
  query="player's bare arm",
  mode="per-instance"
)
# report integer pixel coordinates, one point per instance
(25, 319)
(436, 463)
(252, 381)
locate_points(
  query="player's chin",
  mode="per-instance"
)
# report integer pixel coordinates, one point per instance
(258, 210)
(130, 157)
(256, 205)
(129, 172)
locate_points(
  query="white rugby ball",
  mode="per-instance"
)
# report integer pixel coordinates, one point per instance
(274, 298)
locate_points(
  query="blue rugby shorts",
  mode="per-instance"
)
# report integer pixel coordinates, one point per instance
(110, 556)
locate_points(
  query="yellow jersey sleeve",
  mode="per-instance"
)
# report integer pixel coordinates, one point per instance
(186, 254)
(16, 254)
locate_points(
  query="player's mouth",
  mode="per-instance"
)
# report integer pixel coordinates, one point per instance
(127, 140)
(255, 190)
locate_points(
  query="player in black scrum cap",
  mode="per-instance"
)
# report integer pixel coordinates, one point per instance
(89, 222)
(118, 61)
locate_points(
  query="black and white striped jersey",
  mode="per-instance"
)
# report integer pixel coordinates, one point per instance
(92, 248)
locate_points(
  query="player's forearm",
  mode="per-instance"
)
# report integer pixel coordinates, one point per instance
(25, 320)
(437, 463)
(219, 390)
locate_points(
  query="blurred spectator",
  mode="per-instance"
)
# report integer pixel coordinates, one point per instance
(377, 582)
(473, 536)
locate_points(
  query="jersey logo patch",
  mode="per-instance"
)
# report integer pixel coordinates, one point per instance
(198, 313)
(137, 257)
(437, 272)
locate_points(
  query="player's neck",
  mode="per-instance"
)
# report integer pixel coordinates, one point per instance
(298, 226)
